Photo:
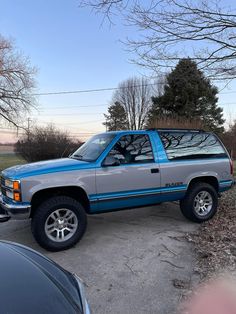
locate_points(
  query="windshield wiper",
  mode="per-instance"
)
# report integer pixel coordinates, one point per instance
(79, 157)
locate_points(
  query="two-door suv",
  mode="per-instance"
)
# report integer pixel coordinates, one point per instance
(114, 171)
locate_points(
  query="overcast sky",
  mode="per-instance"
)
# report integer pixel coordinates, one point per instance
(72, 51)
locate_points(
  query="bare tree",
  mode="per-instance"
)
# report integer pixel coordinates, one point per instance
(16, 83)
(134, 95)
(172, 29)
(107, 7)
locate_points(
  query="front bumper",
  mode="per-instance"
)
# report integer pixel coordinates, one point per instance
(15, 211)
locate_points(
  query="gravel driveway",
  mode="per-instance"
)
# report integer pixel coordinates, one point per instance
(133, 261)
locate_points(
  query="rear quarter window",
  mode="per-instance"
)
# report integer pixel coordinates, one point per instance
(182, 145)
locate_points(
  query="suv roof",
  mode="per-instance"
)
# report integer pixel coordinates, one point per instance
(156, 129)
(176, 129)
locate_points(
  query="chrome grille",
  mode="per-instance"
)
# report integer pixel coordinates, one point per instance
(2, 181)
(2, 185)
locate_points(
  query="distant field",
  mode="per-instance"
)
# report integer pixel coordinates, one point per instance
(6, 149)
(8, 160)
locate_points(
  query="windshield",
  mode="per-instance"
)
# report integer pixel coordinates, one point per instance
(92, 149)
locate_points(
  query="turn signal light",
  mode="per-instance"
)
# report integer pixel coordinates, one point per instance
(16, 196)
(16, 185)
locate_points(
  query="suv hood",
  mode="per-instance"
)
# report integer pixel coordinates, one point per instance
(43, 167)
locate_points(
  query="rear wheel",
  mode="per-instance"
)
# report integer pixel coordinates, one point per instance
(200, 203)
(59, 223)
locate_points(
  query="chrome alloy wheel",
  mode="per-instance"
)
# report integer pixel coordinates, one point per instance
(203, 203)
(61, 225)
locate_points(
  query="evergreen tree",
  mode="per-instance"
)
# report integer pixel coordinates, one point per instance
(188, 94)
(116, 119)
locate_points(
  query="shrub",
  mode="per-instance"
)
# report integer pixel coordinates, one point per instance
(229, 139)
(43, 143)
(176, 122)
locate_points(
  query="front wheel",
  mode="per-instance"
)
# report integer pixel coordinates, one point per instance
(59, 223)
(200, 203)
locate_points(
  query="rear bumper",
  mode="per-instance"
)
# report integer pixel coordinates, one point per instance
(14, 211)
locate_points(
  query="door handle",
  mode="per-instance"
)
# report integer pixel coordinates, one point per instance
(155, 170)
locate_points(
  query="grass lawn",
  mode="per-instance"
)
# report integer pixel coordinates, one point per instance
(8, 160)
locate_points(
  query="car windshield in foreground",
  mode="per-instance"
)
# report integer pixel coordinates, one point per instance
(92, 149)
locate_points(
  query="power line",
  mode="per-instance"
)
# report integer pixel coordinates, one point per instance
(71, 135)
(76, 91)
(65, 92)
(229, 92)
(11, 131)
(74, 113)
(73, 106)
(227, 103)
(74, 123)
(88, 122)
(68, 124)
(91, 90)
(92, 106)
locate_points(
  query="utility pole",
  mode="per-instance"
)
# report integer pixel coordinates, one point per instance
(28, 127)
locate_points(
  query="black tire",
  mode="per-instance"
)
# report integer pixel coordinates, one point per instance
(187, 204)
(42, 216)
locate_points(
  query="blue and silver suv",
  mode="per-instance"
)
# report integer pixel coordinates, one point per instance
(113, 171)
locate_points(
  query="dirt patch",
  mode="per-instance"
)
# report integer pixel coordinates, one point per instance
(215, 241)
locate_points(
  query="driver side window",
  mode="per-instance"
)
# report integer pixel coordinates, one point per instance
(133, 148)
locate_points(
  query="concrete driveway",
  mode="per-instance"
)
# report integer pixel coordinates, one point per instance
(133, 261)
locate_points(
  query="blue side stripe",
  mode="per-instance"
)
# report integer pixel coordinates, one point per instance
(226, 182)
(137, 192)
(225, 185)
(223, 181)
(104, 196)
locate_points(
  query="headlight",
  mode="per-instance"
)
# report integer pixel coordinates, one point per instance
(13, 195)
(9, 194)
(12, 189)
(8, 183)
(15, 185)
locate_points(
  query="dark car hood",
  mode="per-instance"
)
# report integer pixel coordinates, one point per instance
(44, 167)
(30, 283)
